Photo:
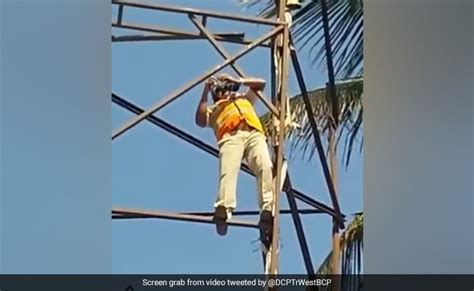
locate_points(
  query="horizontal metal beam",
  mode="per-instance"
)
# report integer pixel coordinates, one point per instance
(136, 37)
(237, 38)
(177, 216)
(157, 29)
(209, 149)
(256, 212)
(183, 10)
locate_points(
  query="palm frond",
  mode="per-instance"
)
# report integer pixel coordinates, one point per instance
(345, 26)
(349, 93)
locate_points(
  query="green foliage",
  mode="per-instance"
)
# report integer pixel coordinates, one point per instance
(346, 37)
(301, 140)
(345, 30)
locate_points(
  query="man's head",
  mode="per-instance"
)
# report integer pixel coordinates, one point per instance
(222, 86)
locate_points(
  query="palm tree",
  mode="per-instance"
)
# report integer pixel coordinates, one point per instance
(334, 30)
(351, 249)
(349, 93)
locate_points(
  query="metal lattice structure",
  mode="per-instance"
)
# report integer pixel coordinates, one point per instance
(279, 42)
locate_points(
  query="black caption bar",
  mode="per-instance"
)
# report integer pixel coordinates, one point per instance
(234, 282)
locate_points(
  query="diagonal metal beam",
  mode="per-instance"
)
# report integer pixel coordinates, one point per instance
(329, 63)
(178, 216)
(317, 138)
(183, 10)
(226, 56)
(235, 213)
(209, 149)
(295, 212)
(175, 95)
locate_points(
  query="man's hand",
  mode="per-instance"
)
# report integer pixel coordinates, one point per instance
(207, 87)
(211, 81)
(232, 79)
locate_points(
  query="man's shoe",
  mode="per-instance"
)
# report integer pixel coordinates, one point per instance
(266, 228)
(220, 219)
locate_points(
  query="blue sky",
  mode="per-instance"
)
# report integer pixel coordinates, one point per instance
(154, 170)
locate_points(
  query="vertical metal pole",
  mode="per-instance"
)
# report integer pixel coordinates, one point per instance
(273, 97)
(283, 68)
(273, 82)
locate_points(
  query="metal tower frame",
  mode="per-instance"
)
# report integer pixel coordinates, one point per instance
(279, 41)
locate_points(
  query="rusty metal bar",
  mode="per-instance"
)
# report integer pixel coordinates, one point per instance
(317, 138)
(157, 37)
(283, 79)
(207, 214)
(235, 213)
(273, 84)
(131, 38)
(178, 216)
(280, 149)
(209, 149)
(219, 15)
(237, 35)
(226, 56)
(237, 38)
(156, 29)
(175, 95)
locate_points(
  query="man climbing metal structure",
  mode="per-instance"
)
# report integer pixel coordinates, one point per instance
(237, 128)
(239, 134)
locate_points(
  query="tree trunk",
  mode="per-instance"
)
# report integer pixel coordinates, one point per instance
(336, 244)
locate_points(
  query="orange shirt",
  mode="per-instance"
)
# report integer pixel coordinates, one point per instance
(226, 115)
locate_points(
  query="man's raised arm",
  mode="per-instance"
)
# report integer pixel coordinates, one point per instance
(201, 111)
(255, 85)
